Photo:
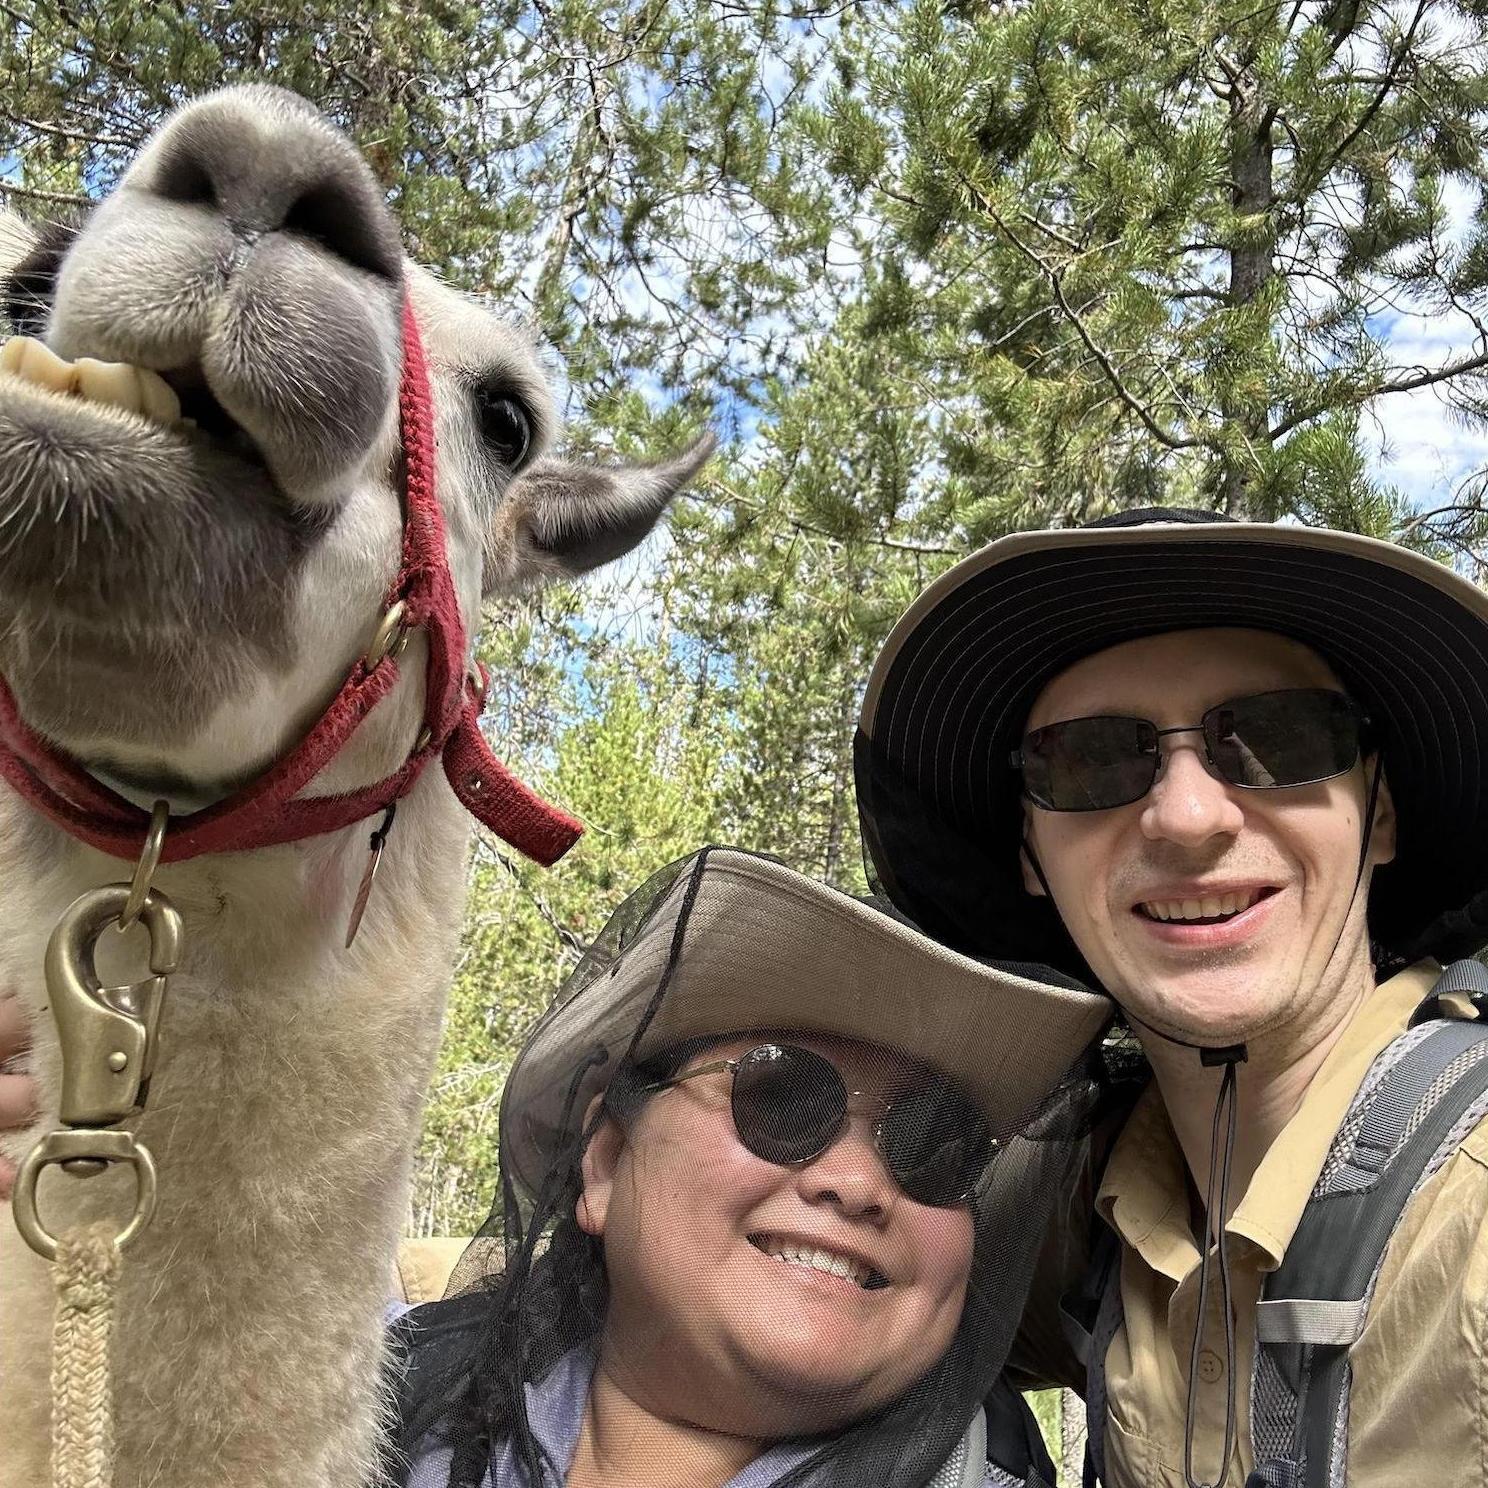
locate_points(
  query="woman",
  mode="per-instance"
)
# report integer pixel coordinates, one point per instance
(773, 1170)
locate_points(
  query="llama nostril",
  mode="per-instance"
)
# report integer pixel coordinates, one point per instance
(266, 162)
(332, 217)
(181, 178)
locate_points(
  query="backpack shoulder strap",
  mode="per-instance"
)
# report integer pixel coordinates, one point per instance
(1013, 1446)
(1423, 1094)
(1091, 1316)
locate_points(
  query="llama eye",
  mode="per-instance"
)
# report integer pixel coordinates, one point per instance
(505, 427)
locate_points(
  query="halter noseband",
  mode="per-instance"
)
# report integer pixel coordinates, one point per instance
(268, 810)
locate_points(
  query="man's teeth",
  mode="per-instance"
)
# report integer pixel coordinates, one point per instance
(817, 1260)
(114, 384)
(1209, 908)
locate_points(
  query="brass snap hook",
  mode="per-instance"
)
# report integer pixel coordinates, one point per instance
(476, 677)
(108, 1034)
(109, 1037)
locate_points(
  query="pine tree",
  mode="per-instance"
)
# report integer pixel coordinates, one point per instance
(1149, 245)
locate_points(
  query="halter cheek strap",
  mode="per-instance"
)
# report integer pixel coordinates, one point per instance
(269, 810)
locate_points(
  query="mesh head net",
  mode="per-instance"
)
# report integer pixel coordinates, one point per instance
(801, 1309)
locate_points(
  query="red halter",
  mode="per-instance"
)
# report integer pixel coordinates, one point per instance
(268, 810)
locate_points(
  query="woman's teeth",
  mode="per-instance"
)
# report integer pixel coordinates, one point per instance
(1213, 907)
(818, 1260)
(113, 384)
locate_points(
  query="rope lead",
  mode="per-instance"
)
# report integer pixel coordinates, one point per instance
(86, 1275)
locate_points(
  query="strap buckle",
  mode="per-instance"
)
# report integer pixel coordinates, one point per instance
(109, 1038)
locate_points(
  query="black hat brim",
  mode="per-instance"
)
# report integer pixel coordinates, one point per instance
(950, 694)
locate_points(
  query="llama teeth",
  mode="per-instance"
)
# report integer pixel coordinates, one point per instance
(35, 362)
(134, 389)
(160, 400)
(112, 384)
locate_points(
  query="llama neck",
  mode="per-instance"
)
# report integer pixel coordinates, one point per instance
(282, 1118)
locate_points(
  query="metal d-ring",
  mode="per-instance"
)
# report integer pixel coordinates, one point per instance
(144, 870)
(390, 637)
(64, 1148)
(477, 680)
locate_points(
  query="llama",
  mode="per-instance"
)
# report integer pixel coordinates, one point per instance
(200, 518)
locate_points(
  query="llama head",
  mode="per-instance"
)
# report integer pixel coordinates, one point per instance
(200, 479)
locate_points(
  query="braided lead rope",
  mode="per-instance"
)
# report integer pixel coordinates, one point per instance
(87, 1279)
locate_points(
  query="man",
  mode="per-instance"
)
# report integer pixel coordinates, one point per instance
(1201, 763)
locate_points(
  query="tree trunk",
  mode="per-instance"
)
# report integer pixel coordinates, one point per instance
(1071, 1438)
(1252, 265)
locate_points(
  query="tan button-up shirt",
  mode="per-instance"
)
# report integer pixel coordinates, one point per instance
(1419, 1407)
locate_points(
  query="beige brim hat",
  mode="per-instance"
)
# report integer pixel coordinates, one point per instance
(765, 948)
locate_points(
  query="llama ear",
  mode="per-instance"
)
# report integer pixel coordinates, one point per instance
(560, 518)
(17, 239)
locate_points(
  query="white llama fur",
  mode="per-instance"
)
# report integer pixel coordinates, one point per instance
(292, 1072)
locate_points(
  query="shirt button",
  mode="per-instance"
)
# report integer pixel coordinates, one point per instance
(1211, 1366)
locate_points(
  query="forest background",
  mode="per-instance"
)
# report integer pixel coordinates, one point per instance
(935, 270)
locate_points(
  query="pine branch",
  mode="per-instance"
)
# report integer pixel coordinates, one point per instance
(77, 136)
(570, 941)
(1391, 77)
(1428, 377)
(810, 529)
(32, 193)
(1455, 508)
(1054, 276)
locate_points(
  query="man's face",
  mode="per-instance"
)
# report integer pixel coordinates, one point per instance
(1290, 934)
(715, 1315)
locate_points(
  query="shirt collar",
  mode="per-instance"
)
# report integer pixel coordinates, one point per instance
(1144, 1195)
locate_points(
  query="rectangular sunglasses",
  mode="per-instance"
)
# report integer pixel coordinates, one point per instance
(790, 1104)
(1268, 741)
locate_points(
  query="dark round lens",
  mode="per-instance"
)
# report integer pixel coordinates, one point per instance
(789, 1103)
(1090, 764)
(1293, 737)
(936, 1143)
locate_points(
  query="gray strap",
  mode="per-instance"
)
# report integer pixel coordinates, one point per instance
(1314, 1304)
(1462, 976)
(1310, 1320)
(967, 1466)
(1391, 1107)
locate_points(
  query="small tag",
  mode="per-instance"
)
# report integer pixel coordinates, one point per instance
(375, 845)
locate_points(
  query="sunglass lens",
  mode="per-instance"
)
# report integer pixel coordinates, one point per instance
(935, 1143)
(788, 1103)
(1090, 764)
(1284, 738)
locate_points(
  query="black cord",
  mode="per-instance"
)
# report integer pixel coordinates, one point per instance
(1216, 1212)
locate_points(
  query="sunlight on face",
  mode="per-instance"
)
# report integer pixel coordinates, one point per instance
(710, 1326)
(1294, 851)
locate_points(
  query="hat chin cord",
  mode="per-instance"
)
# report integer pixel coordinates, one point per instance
(1221, 1166)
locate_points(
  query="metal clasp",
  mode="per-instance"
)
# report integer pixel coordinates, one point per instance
(108, 1034)
(109, 1038)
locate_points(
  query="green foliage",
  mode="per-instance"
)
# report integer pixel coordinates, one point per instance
(937, 270)
(1153, 244)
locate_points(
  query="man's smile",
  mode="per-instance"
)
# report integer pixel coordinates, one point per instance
(1206, 916)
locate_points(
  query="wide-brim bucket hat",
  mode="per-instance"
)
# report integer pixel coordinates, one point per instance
(726, 941)
(949, 696)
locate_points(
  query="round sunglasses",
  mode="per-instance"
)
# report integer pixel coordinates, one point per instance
(1268, 741)
(790, 1104)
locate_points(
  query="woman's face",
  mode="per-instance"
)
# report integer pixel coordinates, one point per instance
(715, 1315)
